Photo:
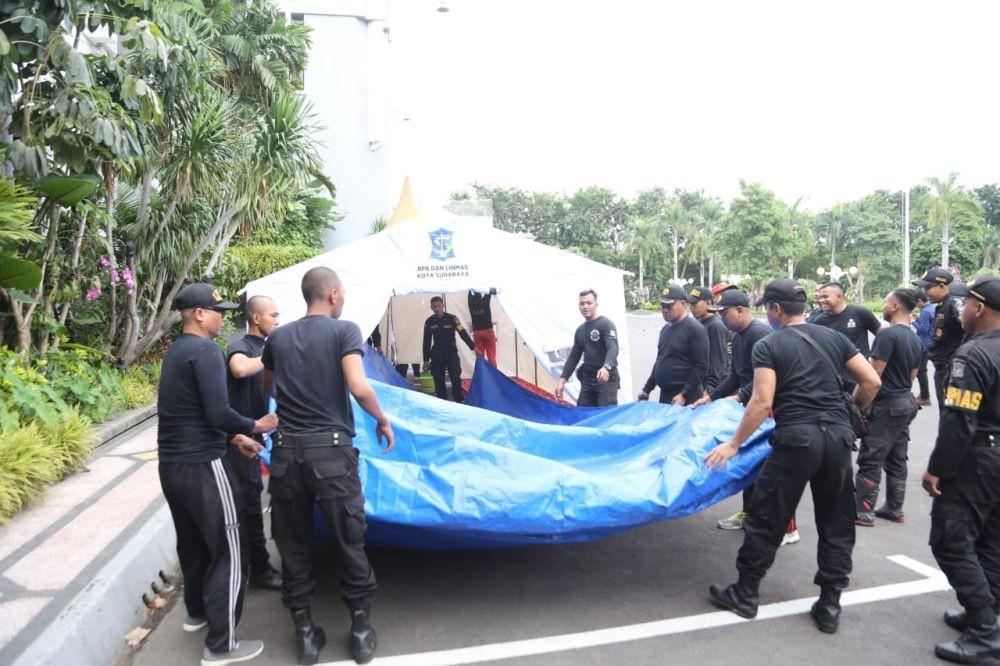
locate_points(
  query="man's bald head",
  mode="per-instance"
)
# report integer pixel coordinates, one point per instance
(317, 283)
(257, 305)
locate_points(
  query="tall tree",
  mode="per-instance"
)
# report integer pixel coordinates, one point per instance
(950, 200)
(756, 237)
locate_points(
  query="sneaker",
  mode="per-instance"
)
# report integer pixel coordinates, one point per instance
(790, 538)
(192, 623)
(733, 522)
(865, 519)
(244, 651)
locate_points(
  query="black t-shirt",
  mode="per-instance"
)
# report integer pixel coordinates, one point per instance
(193, 410)
(718, 351)
(681, 360)
(479, 309)
(902, 352)
(948, 331)
(807, 391)
(740, 378)
(853, 321)
(305, 357)
(597, 342)
(246, 395)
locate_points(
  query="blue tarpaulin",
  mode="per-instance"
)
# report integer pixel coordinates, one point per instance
(466, 477)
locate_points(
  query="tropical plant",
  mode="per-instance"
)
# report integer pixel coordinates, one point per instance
(950, 200)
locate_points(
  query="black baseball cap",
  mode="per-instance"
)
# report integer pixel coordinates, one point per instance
(699, 294)
(673, 293)
(202, 295)
(986, 290)
(730, 298)
(782, 289)
(936, 275)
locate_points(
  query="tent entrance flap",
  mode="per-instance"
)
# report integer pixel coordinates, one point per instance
(402, 333)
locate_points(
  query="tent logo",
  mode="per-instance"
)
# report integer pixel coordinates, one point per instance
(441, 248)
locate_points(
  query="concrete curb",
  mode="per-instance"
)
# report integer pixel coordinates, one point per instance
(105, 432)
(91, 628)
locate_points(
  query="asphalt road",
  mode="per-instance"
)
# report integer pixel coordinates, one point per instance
(433, 602)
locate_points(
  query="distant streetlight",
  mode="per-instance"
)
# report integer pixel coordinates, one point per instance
(836, 272)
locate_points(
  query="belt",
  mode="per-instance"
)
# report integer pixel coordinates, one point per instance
(985, 440)
(310, 440)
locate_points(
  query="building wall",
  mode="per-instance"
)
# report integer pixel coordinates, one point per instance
(345, 82)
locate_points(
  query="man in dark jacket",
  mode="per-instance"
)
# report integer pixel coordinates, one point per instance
(681, 353)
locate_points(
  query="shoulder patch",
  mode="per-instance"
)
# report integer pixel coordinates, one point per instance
(958, 368)
(612, 333)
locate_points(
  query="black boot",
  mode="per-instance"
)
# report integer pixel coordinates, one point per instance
(895, 491)
(979, 643)
(741, 597)
(363, 638)
(866, 492)
(957, 620)
(309, 639)
(826, 610)
(266, 578)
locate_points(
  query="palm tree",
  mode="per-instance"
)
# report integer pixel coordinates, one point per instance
(675, 219)
(647, 238)
(710, 216)
(951, 202)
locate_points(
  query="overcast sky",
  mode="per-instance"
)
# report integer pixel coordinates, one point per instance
(825, 101)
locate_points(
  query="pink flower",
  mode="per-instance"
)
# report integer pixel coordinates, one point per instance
(114, 276)
(93, 293)
(127, 274)
(104, 261)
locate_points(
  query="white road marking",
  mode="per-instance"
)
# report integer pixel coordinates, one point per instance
(933, 581)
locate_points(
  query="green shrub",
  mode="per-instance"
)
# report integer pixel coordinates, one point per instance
(244, 264)
(28, 462)
(140, 389)
(72, 438)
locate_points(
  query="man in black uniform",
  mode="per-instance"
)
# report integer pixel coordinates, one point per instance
(796, 371)
(854, 321)
(194, 419)
(481, 311)
(441, 352)
(700, 300)
(596, 341)
(896, 355)
(245, 384)
(681, 353)
(315, 365)
(962, 478)
(948, 333)
(733, 307)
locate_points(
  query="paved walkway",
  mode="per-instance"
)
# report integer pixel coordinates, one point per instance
(49, 552)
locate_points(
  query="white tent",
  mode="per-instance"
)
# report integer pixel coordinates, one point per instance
(390, 277)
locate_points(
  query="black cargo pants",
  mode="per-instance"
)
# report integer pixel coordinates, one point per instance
(965, 529)
(818, 454)
(884, 447)
(447, 361)
(594, 393)
(248, 484)
(304, 474)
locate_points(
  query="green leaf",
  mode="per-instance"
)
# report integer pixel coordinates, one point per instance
(68, 190)
(4, 44)
(21, 297)
(18, 274)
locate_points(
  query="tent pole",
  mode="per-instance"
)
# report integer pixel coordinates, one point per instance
(517, 356)
(536, 371)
